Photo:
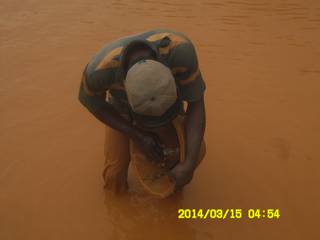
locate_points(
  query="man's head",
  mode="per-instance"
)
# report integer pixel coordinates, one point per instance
(135, 51)
(149, 84)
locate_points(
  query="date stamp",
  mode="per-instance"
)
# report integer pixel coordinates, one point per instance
(229, 213)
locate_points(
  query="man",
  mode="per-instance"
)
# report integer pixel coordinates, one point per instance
(145, 78)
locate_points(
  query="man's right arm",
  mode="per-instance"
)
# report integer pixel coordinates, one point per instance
(105, 112)
(108, 115)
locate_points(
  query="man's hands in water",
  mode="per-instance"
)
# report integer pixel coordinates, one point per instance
(182, 174)
(149, 146)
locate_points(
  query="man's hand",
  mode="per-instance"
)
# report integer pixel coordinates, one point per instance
(149, 146)
(146, 141)
(181, 174)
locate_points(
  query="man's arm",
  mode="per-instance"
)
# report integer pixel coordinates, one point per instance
(194, 130)
(108, 115)
(195, 123)
(111, 117)
(184, 63)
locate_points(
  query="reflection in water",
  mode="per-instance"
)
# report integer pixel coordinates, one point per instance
(136, 217)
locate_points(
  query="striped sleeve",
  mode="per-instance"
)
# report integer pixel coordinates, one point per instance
(98, 81)
(92, 92)
(185, 68)
(92, 103)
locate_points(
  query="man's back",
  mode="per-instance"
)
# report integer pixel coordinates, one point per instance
(177, 52)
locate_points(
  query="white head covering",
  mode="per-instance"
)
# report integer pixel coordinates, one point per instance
(150, 87)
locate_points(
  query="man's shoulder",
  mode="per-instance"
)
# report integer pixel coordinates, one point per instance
(182, 58)
(108, 55)
(172, 43)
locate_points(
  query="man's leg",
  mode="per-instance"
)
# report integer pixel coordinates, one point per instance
(117, 158)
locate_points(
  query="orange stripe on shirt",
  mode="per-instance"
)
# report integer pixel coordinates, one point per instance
(191, 78)
(175, 41)
(176, 70)
(108, 61)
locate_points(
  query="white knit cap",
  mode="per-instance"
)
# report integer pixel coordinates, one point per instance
(150, 87)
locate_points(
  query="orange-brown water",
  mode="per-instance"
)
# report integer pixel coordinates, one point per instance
(261, 62)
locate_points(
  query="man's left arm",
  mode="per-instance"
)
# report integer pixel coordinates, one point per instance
(184, 64)
(195, 123)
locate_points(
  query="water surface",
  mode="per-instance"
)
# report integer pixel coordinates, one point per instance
(261, 63)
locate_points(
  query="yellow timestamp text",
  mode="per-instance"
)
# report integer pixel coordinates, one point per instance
(229, 213)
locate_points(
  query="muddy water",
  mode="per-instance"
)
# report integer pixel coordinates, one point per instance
(261, 62)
